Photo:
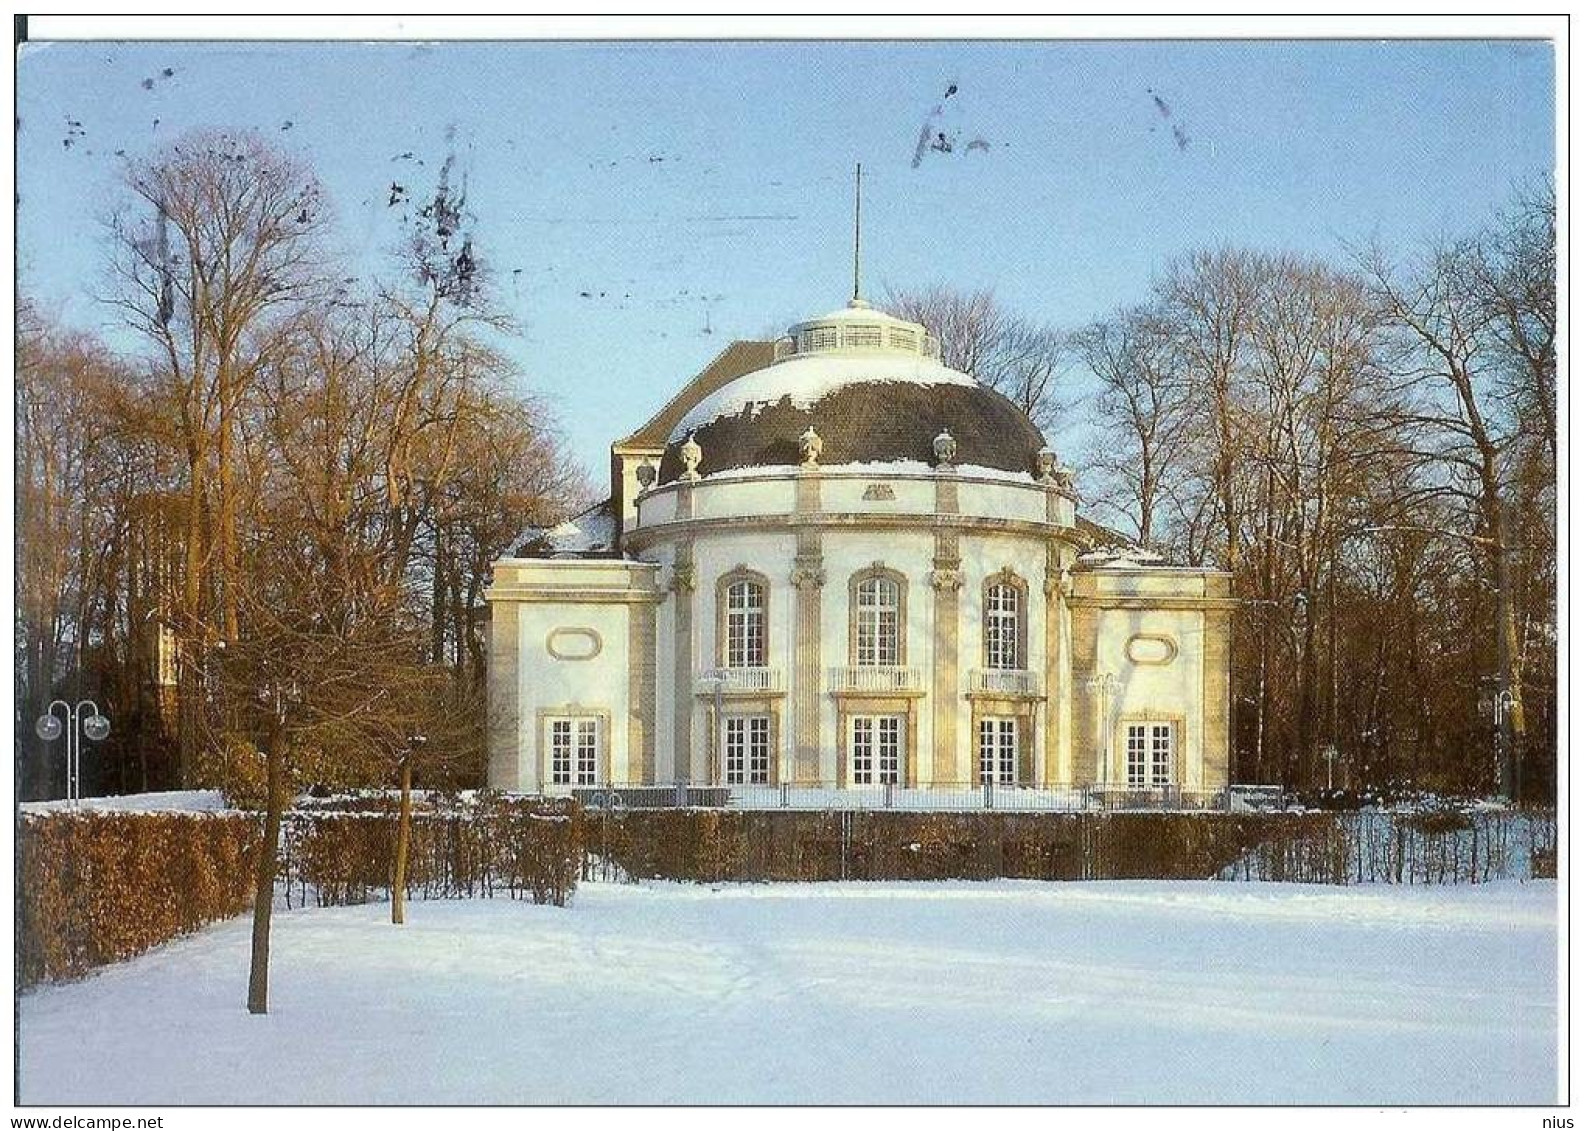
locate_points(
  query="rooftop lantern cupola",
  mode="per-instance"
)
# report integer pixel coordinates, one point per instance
(858, 328)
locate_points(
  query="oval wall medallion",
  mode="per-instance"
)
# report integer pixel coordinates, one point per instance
(573, 643)
(1151, 648)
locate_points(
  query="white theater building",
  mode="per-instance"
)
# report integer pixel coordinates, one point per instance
(832, 561)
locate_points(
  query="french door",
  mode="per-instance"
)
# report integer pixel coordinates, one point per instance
(1149, 755)
(574, 751)
(878, 749)
(998, 747)
(747, 749)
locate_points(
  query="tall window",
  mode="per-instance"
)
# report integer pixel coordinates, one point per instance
(879, 622)
(1149, 755)
(745, 625)
(747, 749)
(1001, 627)
(998, 741)
(574, 751)
(876, 749)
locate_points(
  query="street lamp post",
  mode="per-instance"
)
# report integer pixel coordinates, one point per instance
(1329, 753)
(1506, 767)
(1101, 686)
(95, 726)
(715, 683)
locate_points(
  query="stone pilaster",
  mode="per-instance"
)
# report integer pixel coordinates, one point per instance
(641, 692)
(946, 579)
(1216, 767)
(946, 701)
(808, 582)
(1058, 735)
(1083, 700)
(502, 707)
(683, 584)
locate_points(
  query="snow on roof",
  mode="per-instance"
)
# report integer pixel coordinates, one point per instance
(1120, 557)
(808, 380)
(878, 467)
(591, 532)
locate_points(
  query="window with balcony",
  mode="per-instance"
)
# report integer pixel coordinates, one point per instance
(745, 624)
(877, 622)
(1003, 626)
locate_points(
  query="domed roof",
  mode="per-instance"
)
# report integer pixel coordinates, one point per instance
(874, 389)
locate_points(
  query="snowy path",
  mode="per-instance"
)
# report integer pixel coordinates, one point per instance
(943, 993)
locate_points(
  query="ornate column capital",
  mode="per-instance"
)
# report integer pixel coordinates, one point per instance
(1058, 581)
(946, 579)
(808, 573)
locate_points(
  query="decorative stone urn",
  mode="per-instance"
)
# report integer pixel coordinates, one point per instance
(1045, 465)
(945, 449)
(809, 447)
(691, 453)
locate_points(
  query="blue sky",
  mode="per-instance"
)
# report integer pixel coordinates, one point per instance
(702, 191)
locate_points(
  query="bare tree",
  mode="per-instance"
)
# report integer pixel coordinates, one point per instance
(227, 246)
(1210, 300)
(1144, 403)
(314, 683)
(1022, 359)
(1446, 357)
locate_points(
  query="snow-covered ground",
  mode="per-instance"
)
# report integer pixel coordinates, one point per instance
(1142, 992)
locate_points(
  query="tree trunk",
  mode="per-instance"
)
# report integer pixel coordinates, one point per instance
(1308, 677)
(192, 634)
(1508, 678)
(228, 522)
(264, 874)
(403, 839)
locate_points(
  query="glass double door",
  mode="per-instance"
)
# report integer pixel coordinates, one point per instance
(878, 748)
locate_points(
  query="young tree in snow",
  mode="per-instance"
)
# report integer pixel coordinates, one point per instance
(317, 683)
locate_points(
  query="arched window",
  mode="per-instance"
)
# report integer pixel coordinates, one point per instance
(878, 614)
(745, 624)
(1003, 611)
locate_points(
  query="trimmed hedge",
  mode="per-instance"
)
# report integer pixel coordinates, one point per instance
(103, 887)
(523, 848)
(713, 845)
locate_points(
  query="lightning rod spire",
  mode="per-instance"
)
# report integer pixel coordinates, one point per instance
(857, 226)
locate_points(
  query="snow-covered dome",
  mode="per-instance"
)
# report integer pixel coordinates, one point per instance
(872, 386)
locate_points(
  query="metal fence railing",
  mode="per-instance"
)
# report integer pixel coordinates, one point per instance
(938, 796)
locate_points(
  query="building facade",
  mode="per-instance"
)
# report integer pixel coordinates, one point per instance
(832, 561)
